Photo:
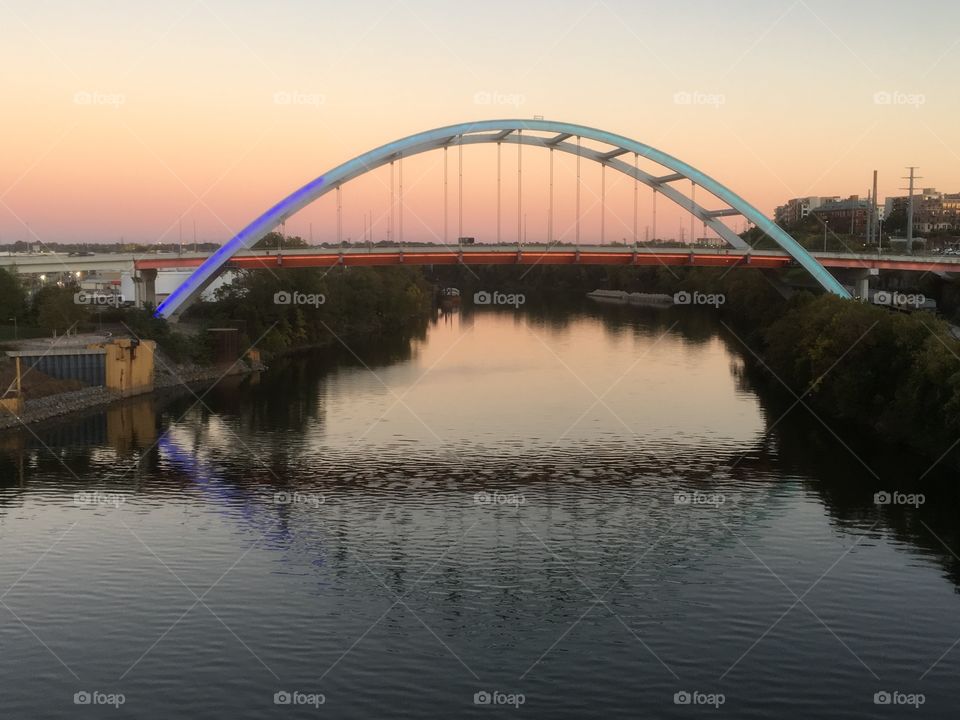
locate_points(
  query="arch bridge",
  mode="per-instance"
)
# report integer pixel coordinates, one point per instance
(545, 134)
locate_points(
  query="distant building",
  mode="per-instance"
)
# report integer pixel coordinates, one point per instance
(796, 209)
(932, 210)
(845, 216)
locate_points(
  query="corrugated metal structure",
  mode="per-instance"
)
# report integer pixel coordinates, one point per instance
(87, 366)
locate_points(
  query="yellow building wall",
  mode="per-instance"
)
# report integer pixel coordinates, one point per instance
(12, 404)
(129, 366)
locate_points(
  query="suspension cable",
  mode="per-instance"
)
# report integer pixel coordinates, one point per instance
(693, 203)
(603, 203)
(635, 185)
(550, 212)
(499, 180)
(519, 186)
(654, 214)
(446, 204)
(460, 193)
(339, 215)
(578, 193)
(400, 206)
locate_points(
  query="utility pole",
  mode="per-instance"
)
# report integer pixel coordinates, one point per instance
(911, 177)
(867, 219)
(873, 212)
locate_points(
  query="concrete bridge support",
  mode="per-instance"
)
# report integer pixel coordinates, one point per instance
(861, 283)
(145, 286)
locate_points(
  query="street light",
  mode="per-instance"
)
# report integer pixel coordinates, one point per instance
(16, 335)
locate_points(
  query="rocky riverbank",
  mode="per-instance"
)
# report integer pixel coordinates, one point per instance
(168, 376)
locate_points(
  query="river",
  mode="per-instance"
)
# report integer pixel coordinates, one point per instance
(582, 513)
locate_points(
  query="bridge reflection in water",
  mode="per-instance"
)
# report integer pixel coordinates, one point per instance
(151, 437)
(301, 582)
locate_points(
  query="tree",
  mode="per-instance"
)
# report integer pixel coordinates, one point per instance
(273, 240)
(896, 221)
(13, 297)
(57, 309)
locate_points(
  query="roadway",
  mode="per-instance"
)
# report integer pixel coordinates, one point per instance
(475, 255)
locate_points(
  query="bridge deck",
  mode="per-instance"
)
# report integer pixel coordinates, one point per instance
(513, 257)
(563, 255)
(478, 255)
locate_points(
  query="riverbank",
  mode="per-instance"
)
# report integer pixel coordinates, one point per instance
(890, 373)
(168, 376)
(351, 308)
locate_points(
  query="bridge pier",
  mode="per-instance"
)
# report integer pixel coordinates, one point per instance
(861, 283)
(145, 287)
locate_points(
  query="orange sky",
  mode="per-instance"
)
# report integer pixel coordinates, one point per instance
(128, 119)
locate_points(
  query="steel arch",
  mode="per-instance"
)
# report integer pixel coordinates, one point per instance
(494, 131)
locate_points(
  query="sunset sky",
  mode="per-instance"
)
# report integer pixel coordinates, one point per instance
(132, 119)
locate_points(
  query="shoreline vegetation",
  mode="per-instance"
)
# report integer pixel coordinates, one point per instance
(893, 374)
(356, 305)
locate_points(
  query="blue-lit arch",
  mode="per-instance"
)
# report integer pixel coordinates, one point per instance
(509, 131)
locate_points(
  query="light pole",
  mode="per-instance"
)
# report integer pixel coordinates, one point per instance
(826, 224)
(16, 335)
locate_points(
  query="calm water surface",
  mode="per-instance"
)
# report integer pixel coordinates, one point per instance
(588, 513)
